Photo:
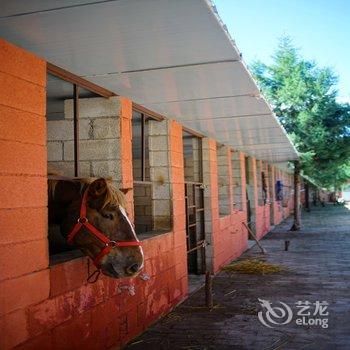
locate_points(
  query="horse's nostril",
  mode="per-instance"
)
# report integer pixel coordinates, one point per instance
(133, 268)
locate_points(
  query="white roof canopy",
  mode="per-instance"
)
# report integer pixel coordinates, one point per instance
(173, 57)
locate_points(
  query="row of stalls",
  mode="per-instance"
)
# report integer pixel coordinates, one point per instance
(154, 95)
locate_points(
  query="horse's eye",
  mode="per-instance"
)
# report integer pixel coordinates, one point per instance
(108, 216)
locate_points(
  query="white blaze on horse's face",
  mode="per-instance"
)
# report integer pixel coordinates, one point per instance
(122, 210)
(123, 261)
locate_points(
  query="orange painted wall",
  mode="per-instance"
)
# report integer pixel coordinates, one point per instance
(44, 307)
(24, 277)
(229, 237)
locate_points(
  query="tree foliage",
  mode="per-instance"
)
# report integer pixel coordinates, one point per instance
(304, 97)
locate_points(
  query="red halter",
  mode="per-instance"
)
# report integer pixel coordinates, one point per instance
(109, 244)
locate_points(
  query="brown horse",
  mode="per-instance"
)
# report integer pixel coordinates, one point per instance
(105, 234)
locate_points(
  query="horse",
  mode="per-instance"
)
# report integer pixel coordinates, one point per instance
(90, 213)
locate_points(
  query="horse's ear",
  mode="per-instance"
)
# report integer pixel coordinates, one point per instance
(98, 188)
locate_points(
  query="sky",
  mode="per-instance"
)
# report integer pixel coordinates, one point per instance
(320, 28)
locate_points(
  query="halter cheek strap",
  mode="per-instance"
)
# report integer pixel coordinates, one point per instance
(84, 222)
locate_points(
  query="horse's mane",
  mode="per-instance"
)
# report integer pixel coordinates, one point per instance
(113, 195)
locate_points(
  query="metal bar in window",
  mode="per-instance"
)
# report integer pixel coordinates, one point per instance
(76, 128)
(203, 220)
(200, 159)
(143, 182)
(187, 217)
(143, 148)
(200, 244)
(194, 183)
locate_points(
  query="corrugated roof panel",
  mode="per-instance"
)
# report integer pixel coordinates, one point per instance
(174, 57)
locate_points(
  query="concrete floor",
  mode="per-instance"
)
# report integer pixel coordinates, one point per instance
(319, 262)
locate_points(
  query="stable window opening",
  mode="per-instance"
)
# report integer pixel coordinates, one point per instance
(151, 173)
(264, 183)
(143, 210)
(224, 194)
(194, 201)
(259, 177)
(237, 186)
(74, 142)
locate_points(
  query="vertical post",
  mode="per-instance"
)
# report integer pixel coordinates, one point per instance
(297, 213)
(307, 196)
(143, 148)
(76, 128)
(314, 196)
(209, 290)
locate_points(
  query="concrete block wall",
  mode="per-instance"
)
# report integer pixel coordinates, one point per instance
(99, 139)
(192, 161)
(233, 235)
(143, 207)
(160, 172)
(224, 188)
(189, 166)
(237, 178)
(226, 235)
(153, 200)
(259, 181)
(137, 168)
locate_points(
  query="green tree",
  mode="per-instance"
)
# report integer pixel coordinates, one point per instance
(303, 96)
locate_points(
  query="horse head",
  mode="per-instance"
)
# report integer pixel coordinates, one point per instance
(105, 233)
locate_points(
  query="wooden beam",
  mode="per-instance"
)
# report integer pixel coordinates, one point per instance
(75, 79)
(192, 132)
(148, 112)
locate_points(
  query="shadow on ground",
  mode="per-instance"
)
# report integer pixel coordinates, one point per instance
(319, 270)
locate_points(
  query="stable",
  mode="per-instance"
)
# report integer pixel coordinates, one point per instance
(154, 95)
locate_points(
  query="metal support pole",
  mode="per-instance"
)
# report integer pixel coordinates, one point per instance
(143, 148)
(208, 290)
(76, 128)
(297, 211)
(307, 197)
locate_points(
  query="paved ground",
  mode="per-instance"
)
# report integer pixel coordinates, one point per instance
(319, 259)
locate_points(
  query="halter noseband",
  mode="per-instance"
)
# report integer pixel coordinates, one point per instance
(84, 222)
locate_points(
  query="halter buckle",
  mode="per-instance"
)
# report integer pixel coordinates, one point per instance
(82, 220)
(111, 244)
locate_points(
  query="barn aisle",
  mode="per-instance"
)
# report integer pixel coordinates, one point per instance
(319, 272)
